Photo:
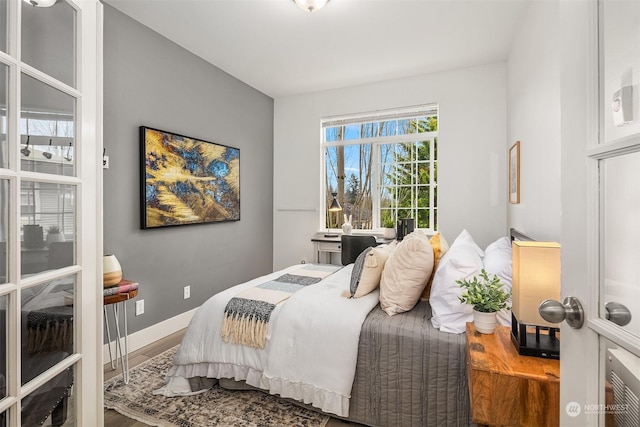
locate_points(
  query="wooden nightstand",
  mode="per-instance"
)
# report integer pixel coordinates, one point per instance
(506, 388)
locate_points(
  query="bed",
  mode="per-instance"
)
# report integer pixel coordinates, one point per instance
(400, 370)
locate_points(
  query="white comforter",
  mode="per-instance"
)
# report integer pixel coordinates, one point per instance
(311, 351)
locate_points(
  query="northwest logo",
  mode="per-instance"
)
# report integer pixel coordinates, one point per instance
(573, 409)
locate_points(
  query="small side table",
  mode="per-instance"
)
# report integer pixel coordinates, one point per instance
(331, 245)
(326, 245)
(506, 388)
(115, 301)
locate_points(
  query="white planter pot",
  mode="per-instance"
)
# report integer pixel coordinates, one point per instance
(389, 233)
(57, 237)
(485, 322)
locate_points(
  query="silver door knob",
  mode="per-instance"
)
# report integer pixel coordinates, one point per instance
(570, 310)
(617, 313)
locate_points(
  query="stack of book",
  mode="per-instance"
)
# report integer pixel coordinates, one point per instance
(122, 287)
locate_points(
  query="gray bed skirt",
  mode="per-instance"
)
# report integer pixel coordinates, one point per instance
(408, 373)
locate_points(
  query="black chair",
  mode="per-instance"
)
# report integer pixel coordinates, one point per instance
(352, 246)
(51, 400)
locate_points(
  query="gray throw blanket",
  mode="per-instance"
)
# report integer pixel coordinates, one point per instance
(246, 316)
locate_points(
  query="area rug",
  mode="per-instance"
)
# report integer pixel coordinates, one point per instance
(216, 407)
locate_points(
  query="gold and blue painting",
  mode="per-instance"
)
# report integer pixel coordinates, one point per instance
(187, 181)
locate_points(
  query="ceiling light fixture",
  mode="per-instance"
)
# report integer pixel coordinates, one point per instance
(41, 3)
(310, 5)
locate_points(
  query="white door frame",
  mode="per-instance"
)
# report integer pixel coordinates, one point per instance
(89, 406)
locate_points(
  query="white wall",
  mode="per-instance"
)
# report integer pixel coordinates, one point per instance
(472, 153)
(533, 88)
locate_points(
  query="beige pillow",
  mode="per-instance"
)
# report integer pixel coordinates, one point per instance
(406, 273)
(373, 266)
(440, 247)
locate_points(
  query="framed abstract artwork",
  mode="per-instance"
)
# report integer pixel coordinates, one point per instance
(186, 180)
(514, 173)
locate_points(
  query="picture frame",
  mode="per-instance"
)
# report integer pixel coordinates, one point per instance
(186, 180)
(514, 173)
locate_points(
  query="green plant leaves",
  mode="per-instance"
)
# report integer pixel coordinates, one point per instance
(485, 294)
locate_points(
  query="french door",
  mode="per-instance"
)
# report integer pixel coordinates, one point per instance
(50, 212)
(600, 108)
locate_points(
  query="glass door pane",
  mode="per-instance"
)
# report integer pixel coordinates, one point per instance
(4, 84)
(49, 40)
(48, 218)
(620, 251)
(4, 228)
(3, 347)
(620, 63)
(47, 129)
(48, 337)
(3, 25)
(52, 402)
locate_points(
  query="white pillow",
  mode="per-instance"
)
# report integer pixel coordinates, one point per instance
(372, 270)
(463, 260)
(497, 261)
(406, 273)
(356, 272)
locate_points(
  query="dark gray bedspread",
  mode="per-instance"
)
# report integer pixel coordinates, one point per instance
(409, 373)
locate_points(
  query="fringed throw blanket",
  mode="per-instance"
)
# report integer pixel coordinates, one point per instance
(246, 316)
(50, 329)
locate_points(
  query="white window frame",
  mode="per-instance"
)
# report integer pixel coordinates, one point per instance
(357, 119)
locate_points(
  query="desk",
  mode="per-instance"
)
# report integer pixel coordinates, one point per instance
(115, 301)
(506, 388)
(329, 245)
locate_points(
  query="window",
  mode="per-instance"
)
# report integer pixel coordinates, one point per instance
(382, 167)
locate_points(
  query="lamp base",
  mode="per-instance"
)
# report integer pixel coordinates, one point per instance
(536, 344)
(331, 235)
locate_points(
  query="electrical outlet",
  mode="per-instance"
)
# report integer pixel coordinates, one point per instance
(139, 307)
(187, 292)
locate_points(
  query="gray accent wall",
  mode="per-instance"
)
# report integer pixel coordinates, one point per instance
(151, 81)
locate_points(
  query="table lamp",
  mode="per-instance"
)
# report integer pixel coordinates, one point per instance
(334, 207)
(536, 277)
(111, 270)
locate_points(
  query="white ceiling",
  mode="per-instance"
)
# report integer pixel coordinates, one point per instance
(281, 50)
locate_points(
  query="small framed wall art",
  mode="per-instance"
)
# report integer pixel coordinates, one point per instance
(186, 180)
(514, 173)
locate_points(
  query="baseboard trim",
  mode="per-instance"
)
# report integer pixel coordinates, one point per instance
(149, 335)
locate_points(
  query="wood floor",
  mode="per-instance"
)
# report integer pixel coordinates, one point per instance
(114, 419)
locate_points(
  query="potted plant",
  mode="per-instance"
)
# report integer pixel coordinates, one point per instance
(487, 296)
(54, 234)
(388, 229)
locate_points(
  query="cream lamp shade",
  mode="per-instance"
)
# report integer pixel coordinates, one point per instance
(111, 271)
(536, 277)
